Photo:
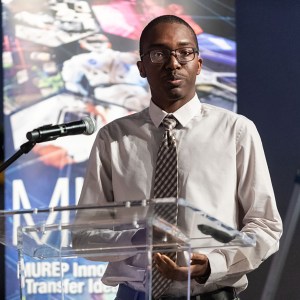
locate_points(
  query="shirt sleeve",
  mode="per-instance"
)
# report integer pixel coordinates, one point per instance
(258, 210)
(97, 190)
(97, 186)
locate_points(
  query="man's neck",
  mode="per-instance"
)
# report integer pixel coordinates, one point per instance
(171, 106)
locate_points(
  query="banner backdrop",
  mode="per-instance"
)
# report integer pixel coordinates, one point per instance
(67, 59)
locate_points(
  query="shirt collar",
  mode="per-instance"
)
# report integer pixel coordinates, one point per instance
(183, 115)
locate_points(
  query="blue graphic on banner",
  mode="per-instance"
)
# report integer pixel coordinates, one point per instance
(64, 60)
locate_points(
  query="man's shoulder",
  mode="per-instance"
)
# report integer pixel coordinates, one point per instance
(133, 119)
(223, 113)
(232, 121)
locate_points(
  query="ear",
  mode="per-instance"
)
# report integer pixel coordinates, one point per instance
(141, 69)
(199, 65)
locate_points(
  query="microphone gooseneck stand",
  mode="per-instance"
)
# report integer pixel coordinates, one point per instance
(24, 149)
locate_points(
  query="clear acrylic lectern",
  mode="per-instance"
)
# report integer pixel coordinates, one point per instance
(55, 239)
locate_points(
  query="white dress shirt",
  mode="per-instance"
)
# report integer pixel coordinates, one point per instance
(222, 170)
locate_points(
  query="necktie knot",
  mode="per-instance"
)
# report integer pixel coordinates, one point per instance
(169, 122)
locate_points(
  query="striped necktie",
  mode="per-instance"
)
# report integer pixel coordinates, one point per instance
(166, 185)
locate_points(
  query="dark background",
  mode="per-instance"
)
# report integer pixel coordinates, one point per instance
(268, 55)
(268, 70)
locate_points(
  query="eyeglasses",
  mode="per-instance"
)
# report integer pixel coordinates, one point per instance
(160, 56)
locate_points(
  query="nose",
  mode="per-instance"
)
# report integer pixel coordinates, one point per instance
(172, 62)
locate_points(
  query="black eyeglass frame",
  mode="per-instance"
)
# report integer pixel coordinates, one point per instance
(195, 50)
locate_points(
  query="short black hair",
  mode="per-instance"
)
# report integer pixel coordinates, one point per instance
(165, 19)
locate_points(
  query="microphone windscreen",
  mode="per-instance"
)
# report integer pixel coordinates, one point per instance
(90, 125)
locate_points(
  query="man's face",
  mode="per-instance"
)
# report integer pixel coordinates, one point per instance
(172, 83)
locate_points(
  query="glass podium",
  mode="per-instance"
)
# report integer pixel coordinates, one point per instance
(64, 251)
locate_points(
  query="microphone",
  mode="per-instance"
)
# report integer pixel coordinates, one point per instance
(51, 132)
(217, 234)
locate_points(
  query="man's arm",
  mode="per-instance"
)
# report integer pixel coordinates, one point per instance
(97, 190)
(258, 210)
(259, 216)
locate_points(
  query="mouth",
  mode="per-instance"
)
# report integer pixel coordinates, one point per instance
(174, 80)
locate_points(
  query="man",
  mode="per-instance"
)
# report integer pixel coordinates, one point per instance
(221, 169)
